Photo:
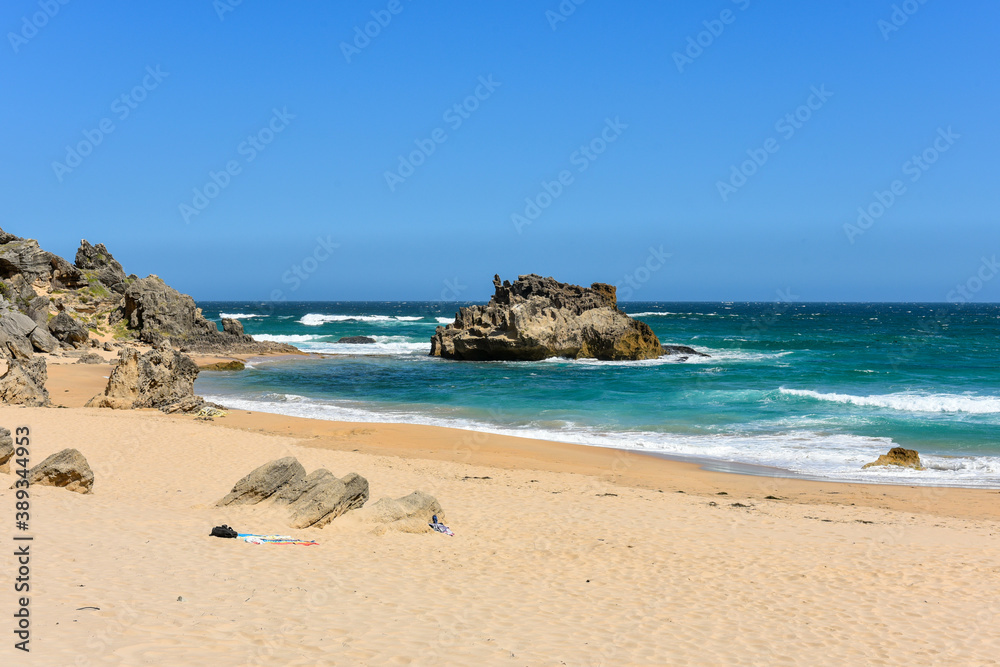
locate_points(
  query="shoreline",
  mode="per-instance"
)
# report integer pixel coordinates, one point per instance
(70, 385)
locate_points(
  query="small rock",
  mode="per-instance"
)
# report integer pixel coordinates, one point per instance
(91, 358)
(357, 340)
(68, 469)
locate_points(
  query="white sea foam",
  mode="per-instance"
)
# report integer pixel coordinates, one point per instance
(317, 319)
(831, 456)
(445, 320)
(648, 314)
(290, 338)
(909, 402)
(239, 316)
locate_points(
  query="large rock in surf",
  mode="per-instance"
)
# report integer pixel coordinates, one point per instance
(24, 383)
(536, 318)
(314, 500)
(67, 469)
(160, 378)
(897, 456)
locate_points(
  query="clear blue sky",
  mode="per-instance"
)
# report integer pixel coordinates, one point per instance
(657, 184)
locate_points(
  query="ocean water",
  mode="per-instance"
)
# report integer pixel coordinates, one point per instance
(808, 389)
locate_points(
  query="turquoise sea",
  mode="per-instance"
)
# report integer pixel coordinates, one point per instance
(810, 389)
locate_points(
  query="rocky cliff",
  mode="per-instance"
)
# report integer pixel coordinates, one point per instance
(47, 304)
(536, 318)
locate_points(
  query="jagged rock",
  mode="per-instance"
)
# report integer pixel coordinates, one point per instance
(409, 514)
(897, 456)
(68, 330)
(6, 449)
(357, 340)
(158, 311)
(189, 405)
(669, 350)
(157, 379)
(38, 310)
(108, 347)
(320, 497)
(42, 340)
(99, 261)
(23, 256)
(536, 318)
(234, 328)
(264, 482)
(67, 469)
(91, 358)
(24, 383)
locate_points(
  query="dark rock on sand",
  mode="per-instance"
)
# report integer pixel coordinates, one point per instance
(264, 482)
(24, 383)
(67, 469)
(68, 330)
(98, 261)
(897, 456)
(159, 378)
(536, 318)
(90, 358)
(357, 340)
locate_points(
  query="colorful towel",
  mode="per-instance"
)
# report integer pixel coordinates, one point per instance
(274, 539)
(440, 527)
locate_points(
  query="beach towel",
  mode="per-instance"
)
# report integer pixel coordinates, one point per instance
(440, 527)
(274, 539)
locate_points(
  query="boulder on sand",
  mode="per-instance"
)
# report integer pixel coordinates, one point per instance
(315, 499)
(159, 378)
(68, 330)
(536, 318)
(68, 469)
(409, 514)
(897, 456)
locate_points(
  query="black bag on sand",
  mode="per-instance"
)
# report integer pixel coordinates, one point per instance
(223, 531)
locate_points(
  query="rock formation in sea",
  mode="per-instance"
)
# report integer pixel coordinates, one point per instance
(536, 318)
(898, 456)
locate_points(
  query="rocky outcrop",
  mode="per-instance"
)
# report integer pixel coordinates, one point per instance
(6, 449)
(160, 313)
(25, 257)
(314, 500)
(898, 456)
(159, 378)
(536, 318)
(357, 340)
(409, 514)
(90, 358)
(24, 383)
(67, 469)
(97, 260)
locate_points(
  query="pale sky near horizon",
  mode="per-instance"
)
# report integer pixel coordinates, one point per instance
(724, 150)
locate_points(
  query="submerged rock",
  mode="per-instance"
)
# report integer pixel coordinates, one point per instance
(897, 456)
(536, 318)
(669, 350)
(357, 340)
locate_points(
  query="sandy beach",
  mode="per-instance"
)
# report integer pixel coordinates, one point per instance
(562, 555)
